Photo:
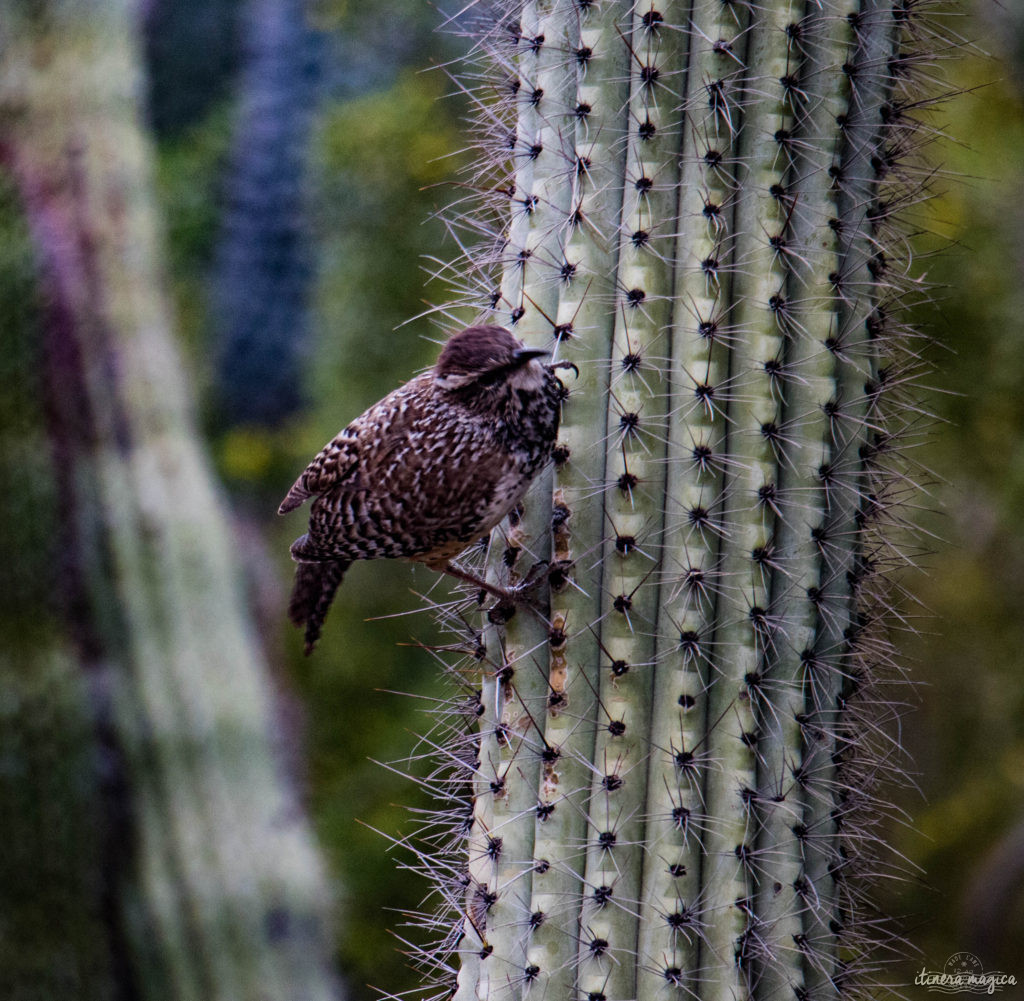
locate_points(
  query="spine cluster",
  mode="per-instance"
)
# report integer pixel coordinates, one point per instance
(664, 781)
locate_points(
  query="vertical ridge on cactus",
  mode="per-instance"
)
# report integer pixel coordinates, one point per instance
(675, 912)
(635, 472)
(516, 688)
(756, 441)
(667, 772)
(582, 334)
(819, 99)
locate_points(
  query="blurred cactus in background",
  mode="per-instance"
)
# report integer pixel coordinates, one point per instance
(672, 781)
(53, 769)
(197, 875)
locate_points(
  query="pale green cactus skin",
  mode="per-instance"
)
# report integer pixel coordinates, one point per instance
(675, 762)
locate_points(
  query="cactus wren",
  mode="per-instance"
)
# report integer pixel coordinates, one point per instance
(428, 470)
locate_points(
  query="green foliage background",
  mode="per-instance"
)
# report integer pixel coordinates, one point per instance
(381, 163)
(967, 736)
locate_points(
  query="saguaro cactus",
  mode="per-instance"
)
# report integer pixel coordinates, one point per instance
(668, 787)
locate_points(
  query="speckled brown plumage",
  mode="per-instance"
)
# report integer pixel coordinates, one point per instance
(428, 470)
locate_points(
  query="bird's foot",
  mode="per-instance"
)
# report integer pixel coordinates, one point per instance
(535, 576)
(523, 593)
(485, 586)
(508, 598)
(556, 365)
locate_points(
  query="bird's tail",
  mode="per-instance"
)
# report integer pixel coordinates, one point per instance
(312, 594)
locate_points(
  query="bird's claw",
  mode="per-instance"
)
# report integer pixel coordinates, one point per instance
(522, 593)
(536, 575)
(556, 365)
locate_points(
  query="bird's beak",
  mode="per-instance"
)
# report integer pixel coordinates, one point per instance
(522, 355)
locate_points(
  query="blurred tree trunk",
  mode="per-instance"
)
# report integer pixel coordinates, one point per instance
(216, 887)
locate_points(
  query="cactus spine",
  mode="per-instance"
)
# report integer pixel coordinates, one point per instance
(674, 790)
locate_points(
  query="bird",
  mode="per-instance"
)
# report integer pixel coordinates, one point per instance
(428, 470)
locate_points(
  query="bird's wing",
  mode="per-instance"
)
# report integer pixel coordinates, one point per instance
(364, 443)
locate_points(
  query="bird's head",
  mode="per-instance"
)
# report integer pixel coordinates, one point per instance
(482, 359)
